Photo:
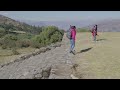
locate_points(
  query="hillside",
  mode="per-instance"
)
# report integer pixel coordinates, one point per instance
(6, 20)
(103, 25)
(112, 25)
(17, 34)
(8, 24)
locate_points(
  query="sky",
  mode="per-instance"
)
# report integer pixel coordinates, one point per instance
(61, 15)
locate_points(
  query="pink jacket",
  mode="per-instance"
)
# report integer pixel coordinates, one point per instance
(73, 33)
(94, 32)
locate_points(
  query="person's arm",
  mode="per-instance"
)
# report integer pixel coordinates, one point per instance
(92, 30)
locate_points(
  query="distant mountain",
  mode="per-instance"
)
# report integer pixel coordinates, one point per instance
(107, 25)
(60, 24)
(112, 25)
(34, 23)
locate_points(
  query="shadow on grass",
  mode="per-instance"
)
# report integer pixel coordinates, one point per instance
(85, 50)
(101, 39)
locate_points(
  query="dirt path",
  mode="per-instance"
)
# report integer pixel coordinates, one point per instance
(54, 64)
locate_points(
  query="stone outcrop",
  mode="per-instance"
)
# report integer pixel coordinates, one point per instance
(51, 62)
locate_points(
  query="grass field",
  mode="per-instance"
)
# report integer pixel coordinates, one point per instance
(98, 60)
(6, 55)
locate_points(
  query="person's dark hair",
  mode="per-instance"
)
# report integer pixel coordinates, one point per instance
(74, 27)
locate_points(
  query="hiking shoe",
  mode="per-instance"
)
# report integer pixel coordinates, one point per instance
(73, 52)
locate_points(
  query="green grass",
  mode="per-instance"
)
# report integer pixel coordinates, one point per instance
(103, 60)
(6, 55)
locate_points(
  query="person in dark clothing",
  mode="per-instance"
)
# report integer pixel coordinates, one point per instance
(94, 32)
(96, 29)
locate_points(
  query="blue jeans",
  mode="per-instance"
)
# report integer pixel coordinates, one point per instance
(72, 42)
(94, 37)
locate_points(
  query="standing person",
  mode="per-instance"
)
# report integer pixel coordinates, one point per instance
(72, 40)
(94, 33)
(96, 29)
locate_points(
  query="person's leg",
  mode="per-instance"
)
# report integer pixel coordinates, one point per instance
(94, 37)
(70, 45)
(73, 46)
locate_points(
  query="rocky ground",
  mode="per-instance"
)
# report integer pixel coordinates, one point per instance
(54, 63)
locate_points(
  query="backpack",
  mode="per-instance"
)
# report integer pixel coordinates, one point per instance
(68, 35)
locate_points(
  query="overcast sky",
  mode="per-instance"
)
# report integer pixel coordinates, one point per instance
(61, 15)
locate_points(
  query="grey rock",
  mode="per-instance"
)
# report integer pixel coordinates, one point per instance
(37, 76)
(51, 62)
(46, 72)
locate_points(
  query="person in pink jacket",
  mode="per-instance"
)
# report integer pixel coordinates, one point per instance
(73, 38)
(94, 32)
